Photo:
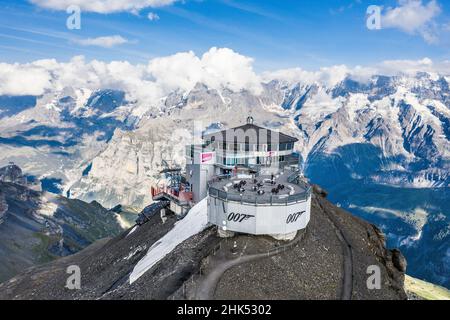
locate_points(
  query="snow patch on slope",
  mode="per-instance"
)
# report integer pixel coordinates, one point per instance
(131, 231)
(47, 209)
(194, 222)
(124, 224)
(320, 105)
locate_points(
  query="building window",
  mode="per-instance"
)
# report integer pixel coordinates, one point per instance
(247, 143)
(231, 161)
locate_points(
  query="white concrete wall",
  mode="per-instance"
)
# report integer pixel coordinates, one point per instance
(259, 220)
(199, 173)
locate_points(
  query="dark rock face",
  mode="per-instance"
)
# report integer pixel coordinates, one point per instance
(3, 206)
(12, 173)
(106, 100)
(319, 190)
(311, 268)
(37, 227)
(399, 260)
(396, 267)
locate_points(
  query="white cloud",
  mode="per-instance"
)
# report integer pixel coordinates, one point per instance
(217, 68)
(103, 6)
(152, 16)
(330, 76)
(327, 76)
(105, 42)
(411, 67)
(24, 79)
(413, 17)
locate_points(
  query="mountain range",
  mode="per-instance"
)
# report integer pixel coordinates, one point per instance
(380, 146)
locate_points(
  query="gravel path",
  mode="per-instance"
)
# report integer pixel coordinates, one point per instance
(220, 263)
(347, 281)
(223, 261)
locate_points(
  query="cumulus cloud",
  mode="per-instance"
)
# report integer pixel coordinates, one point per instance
(103, 6)
(218, 68)
(327, 76)
(93, 75)
(330, 76)
(152, 16)
(105, 42)
(413, 17)
(411, 67)
(27, 79)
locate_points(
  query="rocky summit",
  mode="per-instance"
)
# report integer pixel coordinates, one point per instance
(379, 146)
(12, 173)
(333, 258)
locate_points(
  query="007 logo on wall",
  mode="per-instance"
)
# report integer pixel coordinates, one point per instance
(238, 217)
(293, 217)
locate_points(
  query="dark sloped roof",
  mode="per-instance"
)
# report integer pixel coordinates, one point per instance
(254, 133)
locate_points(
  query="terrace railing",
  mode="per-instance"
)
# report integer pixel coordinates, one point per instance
(264, 199)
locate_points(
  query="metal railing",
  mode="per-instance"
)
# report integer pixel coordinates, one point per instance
(181, 196)
(260, 199)
(265, 199)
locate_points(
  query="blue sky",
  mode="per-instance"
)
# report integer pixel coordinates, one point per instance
(276, 33)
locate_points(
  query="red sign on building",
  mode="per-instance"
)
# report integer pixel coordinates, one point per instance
(207, 157)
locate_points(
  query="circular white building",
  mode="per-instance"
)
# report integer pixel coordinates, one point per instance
(249, 174)
(278, 204)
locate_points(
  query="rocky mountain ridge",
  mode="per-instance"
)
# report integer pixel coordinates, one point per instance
(37, 227)
(398, 125)
(380, 145)
(314, 266)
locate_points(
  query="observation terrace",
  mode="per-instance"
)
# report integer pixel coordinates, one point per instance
(284, 188)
